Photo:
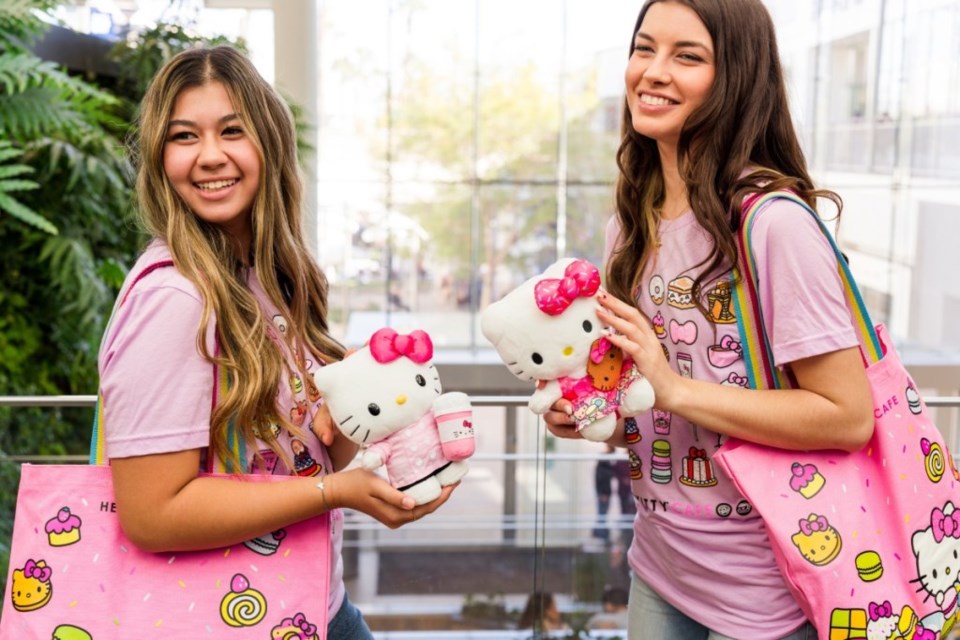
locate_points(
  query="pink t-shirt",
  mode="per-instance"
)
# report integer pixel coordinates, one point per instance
(158, 390)
(697, 541)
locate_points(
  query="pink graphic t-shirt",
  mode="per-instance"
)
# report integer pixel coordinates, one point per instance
(697, 541)
(158, 389)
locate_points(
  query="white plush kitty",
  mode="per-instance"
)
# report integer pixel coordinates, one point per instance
(547, 329)
(387, 398)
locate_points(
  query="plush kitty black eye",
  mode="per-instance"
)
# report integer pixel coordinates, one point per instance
(537, 358)
(587, 326)
(421, 380)
(373, 409)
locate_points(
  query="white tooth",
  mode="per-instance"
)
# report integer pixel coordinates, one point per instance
(218, 184)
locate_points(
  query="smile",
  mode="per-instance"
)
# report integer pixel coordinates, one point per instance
(216, 184)
(655, 101)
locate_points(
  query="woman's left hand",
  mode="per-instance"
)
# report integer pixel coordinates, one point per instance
(634, 335)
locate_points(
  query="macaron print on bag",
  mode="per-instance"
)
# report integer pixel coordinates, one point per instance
(869, 541)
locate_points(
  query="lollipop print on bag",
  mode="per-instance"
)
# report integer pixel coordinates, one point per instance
(242, 606)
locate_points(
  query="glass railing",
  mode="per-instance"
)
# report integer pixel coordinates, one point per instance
(525, 519)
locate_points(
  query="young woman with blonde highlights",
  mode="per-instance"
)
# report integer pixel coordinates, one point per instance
(706, 127)
(219, 190)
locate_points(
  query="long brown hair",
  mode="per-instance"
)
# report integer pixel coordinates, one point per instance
(206, 255)
(744, 124)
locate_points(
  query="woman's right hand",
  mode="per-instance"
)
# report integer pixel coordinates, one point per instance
(366, 491)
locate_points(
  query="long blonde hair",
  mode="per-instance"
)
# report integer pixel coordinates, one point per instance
(206, 255)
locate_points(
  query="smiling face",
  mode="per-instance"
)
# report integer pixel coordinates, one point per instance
(211, 161)
(670, 72)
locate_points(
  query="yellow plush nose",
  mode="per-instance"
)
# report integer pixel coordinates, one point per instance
(568, 351)
(401, 399)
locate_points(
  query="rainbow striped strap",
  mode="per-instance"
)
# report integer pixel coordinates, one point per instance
(757, 355)
(220, 386)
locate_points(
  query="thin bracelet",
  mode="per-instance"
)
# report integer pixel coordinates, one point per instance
(323, 493)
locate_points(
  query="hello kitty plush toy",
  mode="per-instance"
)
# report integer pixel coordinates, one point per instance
(547, 329)
(386, 397)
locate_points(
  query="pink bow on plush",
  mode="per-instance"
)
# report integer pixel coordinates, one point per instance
(818, 524)
(944, 525)
(878, 611)
(686, 332)
(599, 350)
(32, 570)
(386, 345)
(580, 280)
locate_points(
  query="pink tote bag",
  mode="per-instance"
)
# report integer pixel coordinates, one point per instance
(74, 575)
(869, 542)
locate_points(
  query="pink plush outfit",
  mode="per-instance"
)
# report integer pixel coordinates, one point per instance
(584, 396)
(412, 453)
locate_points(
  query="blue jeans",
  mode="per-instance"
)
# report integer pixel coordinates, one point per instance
(348, 624)
(650, 617)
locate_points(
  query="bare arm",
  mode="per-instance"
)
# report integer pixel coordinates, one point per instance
(831, 409)
(165, 505)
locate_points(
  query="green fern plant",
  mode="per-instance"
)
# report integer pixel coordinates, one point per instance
(12, 181)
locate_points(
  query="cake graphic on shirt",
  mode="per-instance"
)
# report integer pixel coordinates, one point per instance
(63, 529)
(658, 327)
(697, 470)
(661, 469)
(631, 431)
(720, 303)
(680, 293)
(806, 480)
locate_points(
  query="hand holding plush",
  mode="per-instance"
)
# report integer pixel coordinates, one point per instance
(547, 329)
(387, 398)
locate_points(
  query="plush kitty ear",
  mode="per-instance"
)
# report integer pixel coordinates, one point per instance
(495, 320)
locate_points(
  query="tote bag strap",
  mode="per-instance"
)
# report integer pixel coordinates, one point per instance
(757, 354)
(220, 386)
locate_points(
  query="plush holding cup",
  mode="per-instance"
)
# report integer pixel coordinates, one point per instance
(387, 398)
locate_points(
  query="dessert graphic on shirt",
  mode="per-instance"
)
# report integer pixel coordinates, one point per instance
(661, 469)
(31, 588)
(295, 628)
(303, 462)
(656, 289)
(697, 469)
(658, 327)
(298, 413)
(724, 353)
(934, 462)
(636, 465)
(242, 606)
(296, 383)
(631, 431)
(267, 544)
(806, 480)
(720, 303)
(661, 422)
(63, 529)
(685, 332)
(680, 293)
(819, 543)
